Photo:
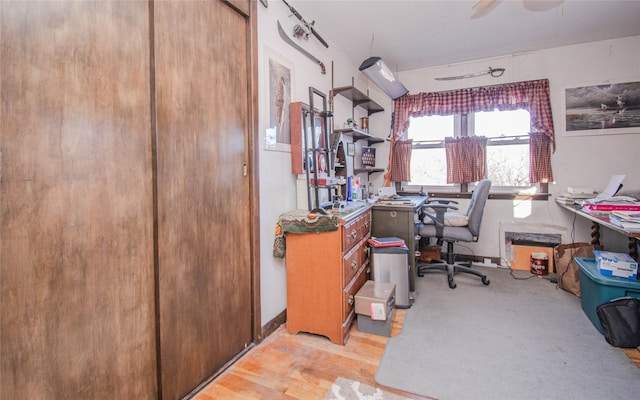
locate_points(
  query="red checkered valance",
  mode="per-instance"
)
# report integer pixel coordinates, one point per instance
(530, 95)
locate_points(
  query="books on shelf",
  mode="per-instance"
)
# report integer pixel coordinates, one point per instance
(627, 221)
(386, 242)
(607, 207)
(627, 215)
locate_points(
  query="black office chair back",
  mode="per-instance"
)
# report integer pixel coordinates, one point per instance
(476, 206)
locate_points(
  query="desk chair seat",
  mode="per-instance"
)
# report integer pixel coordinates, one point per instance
(450, 226)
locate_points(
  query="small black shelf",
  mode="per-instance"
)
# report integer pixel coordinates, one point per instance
(358, 98)
(359, 135)
(368, 170)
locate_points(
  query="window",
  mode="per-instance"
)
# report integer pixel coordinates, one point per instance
(469, 153)
(507, 134)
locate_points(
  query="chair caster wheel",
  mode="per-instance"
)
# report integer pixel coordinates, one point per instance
(452, 284)
(485, 280)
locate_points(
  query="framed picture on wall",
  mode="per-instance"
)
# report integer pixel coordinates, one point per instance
(601, 108)
(279, 82)
(351, 149)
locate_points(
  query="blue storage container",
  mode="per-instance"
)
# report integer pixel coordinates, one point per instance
(596, 289)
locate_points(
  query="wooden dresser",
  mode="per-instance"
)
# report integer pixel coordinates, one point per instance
(324, 272)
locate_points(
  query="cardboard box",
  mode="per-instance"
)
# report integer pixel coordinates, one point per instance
(324, 181)
(619, 265)
(522, 256)
(368, 325)
(580, 190)
(376, 300)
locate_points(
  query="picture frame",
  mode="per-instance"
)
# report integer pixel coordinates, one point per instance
(601, 108)
(351, 149)
(279, 86)
(300, 127)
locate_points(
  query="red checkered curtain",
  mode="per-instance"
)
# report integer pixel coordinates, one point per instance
(434, 103)
(466, 159)
(540, 158)
(401, 167)
(530, 95)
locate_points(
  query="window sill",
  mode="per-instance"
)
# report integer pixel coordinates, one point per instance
(492, 196)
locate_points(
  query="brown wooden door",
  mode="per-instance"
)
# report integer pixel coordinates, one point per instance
(76, 265)
(202, 84)
(125, 235)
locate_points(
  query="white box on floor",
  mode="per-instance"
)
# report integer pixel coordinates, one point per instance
(376, 300)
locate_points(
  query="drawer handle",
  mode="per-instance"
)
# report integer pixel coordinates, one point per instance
(354, 233)
(350, 300)
(354, 264)
(366, 224)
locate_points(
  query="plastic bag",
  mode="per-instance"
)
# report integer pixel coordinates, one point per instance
(620, 319)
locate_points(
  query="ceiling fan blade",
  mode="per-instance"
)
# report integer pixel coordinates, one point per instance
(482, 4)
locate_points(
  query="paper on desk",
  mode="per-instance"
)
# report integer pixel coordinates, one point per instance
(608, 195)
(615, 182)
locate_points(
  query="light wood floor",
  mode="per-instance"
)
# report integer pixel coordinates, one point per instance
(303, 366)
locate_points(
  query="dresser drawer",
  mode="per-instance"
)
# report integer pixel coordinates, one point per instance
(350, 265)
(355, 230)
(354, 259)
(349, 293)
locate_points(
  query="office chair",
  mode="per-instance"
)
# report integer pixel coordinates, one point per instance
(450, 226)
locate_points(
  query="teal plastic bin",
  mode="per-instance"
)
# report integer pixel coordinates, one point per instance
(596, 289)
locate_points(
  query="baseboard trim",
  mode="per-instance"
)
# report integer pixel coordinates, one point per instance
(271, 326)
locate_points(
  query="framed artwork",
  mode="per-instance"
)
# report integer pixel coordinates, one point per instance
(279, 88)
(601, 108)
(351, 149)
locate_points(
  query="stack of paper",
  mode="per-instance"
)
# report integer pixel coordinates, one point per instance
(627, 220)
(607, 201)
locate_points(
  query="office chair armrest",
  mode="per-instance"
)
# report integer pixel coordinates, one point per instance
(441, 201)
(440, 209)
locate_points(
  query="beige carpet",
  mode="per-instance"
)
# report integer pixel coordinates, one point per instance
(511, 340)
(346, 389)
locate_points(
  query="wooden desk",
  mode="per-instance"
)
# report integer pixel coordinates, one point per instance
(399, 221)
(599, 220)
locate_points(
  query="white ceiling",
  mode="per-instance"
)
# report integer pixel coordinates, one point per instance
(422, 33)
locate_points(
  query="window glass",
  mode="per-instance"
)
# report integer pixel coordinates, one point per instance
(428, 164)
(507, 164)
(496, 123)
(433, 127)
(507, 148)
(428, 167)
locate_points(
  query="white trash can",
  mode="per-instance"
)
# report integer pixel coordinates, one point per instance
(391, 264)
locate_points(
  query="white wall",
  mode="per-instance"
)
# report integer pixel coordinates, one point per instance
(581, 161)
(578, 160)
(277, 183)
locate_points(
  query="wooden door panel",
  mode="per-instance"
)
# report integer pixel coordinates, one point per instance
(77, 291)
(202, 105)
